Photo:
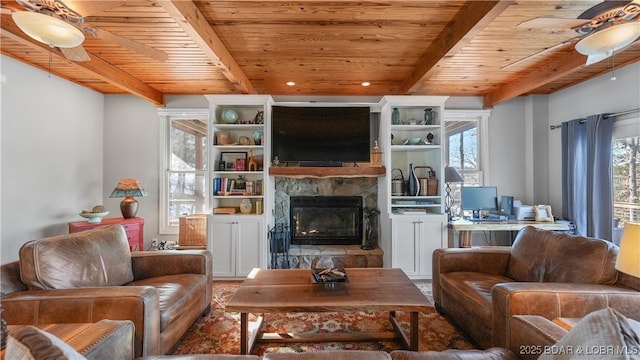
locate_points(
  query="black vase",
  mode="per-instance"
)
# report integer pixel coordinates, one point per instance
(413, 188)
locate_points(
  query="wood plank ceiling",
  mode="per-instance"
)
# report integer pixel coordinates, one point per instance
(455, 48)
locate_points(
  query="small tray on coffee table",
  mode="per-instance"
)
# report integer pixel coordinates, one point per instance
(327, 276)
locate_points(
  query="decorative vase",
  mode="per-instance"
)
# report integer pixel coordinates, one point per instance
(429, 115)
(246, 206)
(230, 116)
(257, 137)
(395, 117)
(413, 188)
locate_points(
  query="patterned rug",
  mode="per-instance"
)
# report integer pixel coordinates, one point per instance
(219, 331)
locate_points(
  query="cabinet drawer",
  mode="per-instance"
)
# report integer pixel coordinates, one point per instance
(132, 227)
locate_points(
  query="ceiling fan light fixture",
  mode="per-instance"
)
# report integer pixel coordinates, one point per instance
(48, 29)
(609, 39)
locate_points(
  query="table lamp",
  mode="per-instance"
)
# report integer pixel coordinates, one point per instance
(128, 188)
(451, 175)
(627, 261)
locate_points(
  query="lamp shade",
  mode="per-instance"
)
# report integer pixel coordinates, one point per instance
(128, 188)
(48, 29)
(612, 38)
(628, 260)
(451, 175)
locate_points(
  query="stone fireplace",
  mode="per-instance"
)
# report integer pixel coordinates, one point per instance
(328, 246)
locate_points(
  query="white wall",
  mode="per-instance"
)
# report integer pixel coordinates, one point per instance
(132, 150)
(598, 95)
(51, 154)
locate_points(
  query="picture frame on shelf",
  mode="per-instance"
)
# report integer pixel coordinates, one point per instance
(543, 213)
(223, 138)
(232, 158)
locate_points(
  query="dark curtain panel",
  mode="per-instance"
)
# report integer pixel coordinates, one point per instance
(587, 189)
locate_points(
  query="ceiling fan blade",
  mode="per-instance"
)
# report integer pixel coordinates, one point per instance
(546, 23)
(541, 52)
(77, 53)
(131, 44)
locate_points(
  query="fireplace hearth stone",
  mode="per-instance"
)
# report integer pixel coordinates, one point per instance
(333, 256)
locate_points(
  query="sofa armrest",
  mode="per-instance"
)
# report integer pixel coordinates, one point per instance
(554, 300)
(490, 260)
(531, 336)
(139, 304)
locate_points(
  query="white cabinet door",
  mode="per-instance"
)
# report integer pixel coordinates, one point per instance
(250, 246)
(405, 245)
(432, 231)
(222, 245)
(238, 244)
(414, 238)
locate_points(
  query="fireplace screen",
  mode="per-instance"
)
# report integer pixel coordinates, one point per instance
(326, 220)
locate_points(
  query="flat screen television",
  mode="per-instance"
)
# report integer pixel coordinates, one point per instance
(320, 134)
(478, 198)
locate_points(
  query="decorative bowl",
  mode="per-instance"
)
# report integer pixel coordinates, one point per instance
(230, 116)
(94, 218)
(414, 141)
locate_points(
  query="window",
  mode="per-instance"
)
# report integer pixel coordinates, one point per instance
(626, 174)
(463, 150)
(184, 167)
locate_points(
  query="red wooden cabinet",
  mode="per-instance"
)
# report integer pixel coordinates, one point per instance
(134, 228)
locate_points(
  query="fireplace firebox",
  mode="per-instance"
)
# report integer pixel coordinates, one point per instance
(326, 220)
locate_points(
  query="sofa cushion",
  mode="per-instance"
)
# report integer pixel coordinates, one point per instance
(602, 334)
(178, 295)
(330, 355)
(92, 258)
(452, 354)
(475, 288)
(30, 342)
(547, 256)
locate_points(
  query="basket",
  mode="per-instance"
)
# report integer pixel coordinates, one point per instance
(429, 184)
(193, 230)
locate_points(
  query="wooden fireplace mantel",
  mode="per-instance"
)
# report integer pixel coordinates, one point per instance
(326, 172)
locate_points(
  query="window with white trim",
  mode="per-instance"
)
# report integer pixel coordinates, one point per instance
(183, 178)
(462, 148)
(626, 173)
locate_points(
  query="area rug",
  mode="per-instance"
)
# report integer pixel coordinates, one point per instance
(219, 331)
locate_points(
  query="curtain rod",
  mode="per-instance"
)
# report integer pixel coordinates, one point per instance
(553, 127)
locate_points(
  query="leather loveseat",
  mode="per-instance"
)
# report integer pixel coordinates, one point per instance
(544, 273)
(92, 275)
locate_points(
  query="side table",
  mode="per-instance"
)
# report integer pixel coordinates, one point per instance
(134, 227)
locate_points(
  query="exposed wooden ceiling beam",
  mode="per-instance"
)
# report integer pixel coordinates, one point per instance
(193, 21)
(547, 73)
(96, 65)
(472, 17)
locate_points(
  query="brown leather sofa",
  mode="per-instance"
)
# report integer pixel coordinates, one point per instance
(544, 273)
(91, 275)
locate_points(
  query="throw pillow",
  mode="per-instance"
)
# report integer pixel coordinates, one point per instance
(31, 343)
(602, 334)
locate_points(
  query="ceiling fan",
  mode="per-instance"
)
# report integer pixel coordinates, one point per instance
(603, 29)
(60, 17)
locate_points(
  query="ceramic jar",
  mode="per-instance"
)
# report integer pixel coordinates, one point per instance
(246, 206)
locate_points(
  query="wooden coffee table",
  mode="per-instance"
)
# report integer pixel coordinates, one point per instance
(292, 290)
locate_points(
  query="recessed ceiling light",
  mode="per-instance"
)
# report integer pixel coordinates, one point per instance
(365, 83)
(291, 83)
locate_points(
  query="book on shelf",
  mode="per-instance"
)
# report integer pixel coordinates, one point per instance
(410, 211)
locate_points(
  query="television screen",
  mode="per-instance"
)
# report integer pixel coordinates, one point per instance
(320, 134)
(479, 198)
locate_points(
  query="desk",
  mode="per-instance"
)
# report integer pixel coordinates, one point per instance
(466, 227)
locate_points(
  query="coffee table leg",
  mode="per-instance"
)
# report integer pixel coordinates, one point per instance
(244, 331)
(413, 331)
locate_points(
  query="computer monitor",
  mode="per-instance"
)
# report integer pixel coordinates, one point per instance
(478, 198)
